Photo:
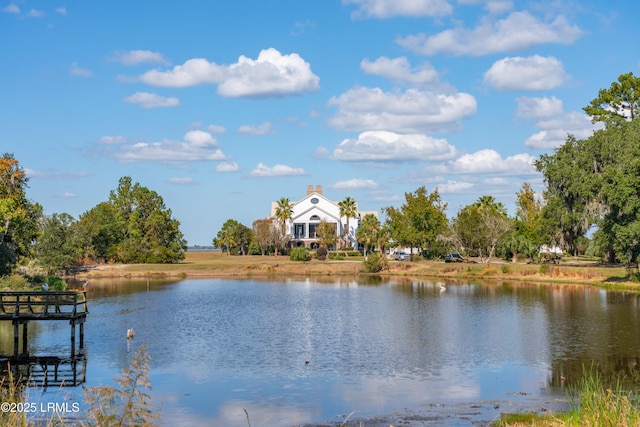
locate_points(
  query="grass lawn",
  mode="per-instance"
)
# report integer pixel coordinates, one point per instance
(210, 264)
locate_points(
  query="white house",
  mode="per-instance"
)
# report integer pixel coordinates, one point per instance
(307, 214)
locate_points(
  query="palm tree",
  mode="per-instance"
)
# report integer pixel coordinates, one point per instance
(284, 212)
(348, 209)
(489, 203)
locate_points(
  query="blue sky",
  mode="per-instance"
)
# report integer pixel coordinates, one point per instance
(222, 107)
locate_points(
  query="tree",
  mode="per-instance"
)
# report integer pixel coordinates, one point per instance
(55, 249)
(149, 232)
(419, 221)
(326, 233)
(528, 207)
(348, 209)
(284, 212)
(18, 216)
(427, 218)
(571, 175)
(617, 104)
(398, 227)
(368, 233)
(478, 227)
(244, 238)
(98, 233)
(489, 204)
(231, 235)
(597, 181)
(263, 233)
(526, 235)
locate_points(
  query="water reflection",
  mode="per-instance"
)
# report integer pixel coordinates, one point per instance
(221, 346)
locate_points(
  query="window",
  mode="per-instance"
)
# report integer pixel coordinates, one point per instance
(298, 231)
(312, 231)
(315, 200)
(314, 218)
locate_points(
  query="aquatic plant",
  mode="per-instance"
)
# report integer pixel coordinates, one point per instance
(127, 404)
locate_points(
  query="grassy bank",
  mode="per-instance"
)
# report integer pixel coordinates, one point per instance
(205, 264)
(595, 402)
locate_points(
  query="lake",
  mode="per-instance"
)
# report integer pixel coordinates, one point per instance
(292, 352)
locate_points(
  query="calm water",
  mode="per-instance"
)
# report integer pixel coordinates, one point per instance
(221, 346)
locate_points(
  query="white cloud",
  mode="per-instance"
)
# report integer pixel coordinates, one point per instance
(181, 181)
(553, 123)
(392, 147)
(554, 131)
(399, 70)
(135, 57)
(412, 111)
(488, 161)
(11, 8)
(35, 13)
(262, 170)
(62, 10)
(452, 187)
(112, 140)
(151, 100)
(31, 173)
(75, 70)
(492, 6)
(536, 108)
(388, 8)
(519, 30)
(198, 145)
(66, 195)
(263, 129)
(354, 184)
(193, 72)
(270, 75)
(300, 28)
(532, 73)
(216, 129)
(227, 167)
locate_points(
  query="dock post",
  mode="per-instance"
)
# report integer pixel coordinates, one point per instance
(81, 336)
(16, 338)
(73, 339)
(25, 328)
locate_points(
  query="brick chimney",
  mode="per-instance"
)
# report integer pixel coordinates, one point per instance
(309, 189)
(319, 189)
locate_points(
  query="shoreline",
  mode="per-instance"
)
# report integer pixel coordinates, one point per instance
(216, 265)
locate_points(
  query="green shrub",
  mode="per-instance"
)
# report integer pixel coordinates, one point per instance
(374, 263)
(544, 268)
(336, 255)
(15, 282)
(299, 254)
(506, 269)
(254, 249)
(55, 283)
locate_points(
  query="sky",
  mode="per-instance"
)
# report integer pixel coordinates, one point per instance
(224, 107)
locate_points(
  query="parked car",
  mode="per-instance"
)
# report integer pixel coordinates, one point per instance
(401, 256)
(455, 258)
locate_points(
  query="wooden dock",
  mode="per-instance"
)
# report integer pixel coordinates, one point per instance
(23, 307)
(47, 371)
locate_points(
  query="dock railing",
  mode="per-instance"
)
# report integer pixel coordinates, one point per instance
(22, 307)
